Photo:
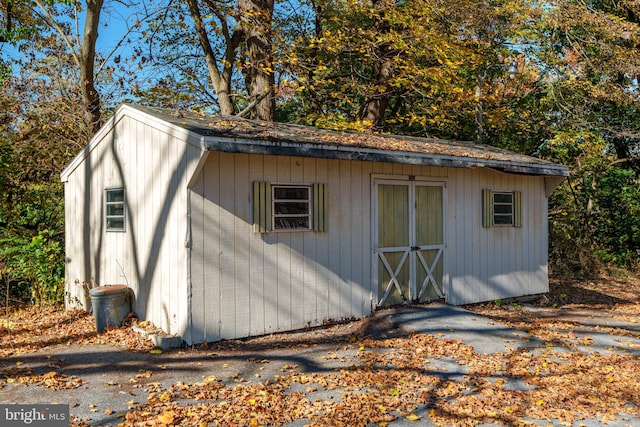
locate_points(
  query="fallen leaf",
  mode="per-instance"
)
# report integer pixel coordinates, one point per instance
(166, 417)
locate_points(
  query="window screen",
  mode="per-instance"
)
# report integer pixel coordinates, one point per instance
(503, 208)
(500, 208)
(291, 207)
(115, 209)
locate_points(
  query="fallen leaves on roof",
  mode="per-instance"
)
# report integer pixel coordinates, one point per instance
(241, 128)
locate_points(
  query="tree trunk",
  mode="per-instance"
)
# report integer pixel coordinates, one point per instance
(377, 103)
(221, 80)
(255, 16)
(90, 96)
(314, 103)
(7, 24)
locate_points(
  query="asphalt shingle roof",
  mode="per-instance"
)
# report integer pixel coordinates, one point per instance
(231, 133)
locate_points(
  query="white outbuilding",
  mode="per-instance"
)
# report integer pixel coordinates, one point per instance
(226, 228)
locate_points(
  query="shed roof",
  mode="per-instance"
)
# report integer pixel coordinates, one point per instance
(235, 134)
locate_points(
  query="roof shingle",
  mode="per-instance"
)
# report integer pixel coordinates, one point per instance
(231, 133)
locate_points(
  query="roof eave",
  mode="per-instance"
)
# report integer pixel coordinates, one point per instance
(338, 152)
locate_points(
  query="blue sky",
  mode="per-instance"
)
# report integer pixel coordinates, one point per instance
(115, 20)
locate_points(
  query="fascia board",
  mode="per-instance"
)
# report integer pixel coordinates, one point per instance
(84, 153)
(234, 145)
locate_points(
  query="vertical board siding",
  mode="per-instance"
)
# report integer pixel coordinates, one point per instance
(213, 246)
(283, 261)
(310, 271)
(366, 253)
(334, 246)
(150, 256)
(242, 233)
(199, 292)
(281, 280)
(505, 262)
(343, 225)
(256, 261)
(240, 283)
(354, 221)
(298, 296)
(229, 292)
(299, 279)
(322, 247)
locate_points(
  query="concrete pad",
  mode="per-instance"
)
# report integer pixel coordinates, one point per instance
(483, 334)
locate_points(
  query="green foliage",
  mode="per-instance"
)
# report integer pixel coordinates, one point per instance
(36, 141)
(36, 263)
(616, 216)
(31, 232)
(595, 218)
(31, 242)
(413, 67)
(410, 67)
(5, 70)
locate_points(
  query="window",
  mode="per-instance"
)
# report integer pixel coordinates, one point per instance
(115, 209)
(501, 208)
(289, 207)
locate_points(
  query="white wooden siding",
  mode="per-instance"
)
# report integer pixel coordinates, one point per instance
(198, 270)
(289, 280)
(486, 264)
(150, 256)
(283, 280)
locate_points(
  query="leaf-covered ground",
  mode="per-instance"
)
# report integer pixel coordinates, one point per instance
(604, 305)
(35, 329)
(409, 377)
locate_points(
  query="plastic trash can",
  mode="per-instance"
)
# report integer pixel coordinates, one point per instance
(111, 304)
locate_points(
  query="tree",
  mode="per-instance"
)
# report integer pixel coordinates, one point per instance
(407, 67)
(57, 24)
(220, 72)
(16, 24)
(417, 67)
(36, 141)
(230, 40)
(376, 105)
(257, 60)
(592, 94)
(82, 49)
(50, 109)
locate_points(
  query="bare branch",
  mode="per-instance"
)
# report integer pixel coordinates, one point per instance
(50, 19)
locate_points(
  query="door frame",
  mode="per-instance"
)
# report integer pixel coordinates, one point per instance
(410, 181)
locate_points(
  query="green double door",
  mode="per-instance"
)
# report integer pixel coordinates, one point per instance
(409, 242)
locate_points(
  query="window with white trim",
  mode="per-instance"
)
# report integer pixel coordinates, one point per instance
(501, 208)
(115, 209)
(289, 207)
